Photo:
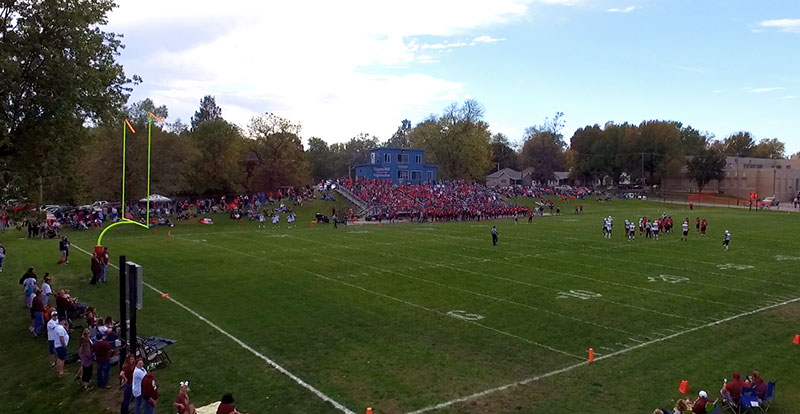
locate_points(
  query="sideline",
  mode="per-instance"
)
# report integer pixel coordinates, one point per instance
(613, 354)
(272, 363)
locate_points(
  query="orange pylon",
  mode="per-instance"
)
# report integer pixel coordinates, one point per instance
(684, 387)
(591, 355)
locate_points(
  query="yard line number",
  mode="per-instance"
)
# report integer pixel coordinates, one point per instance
(578, 294)
(668, 279)
(460, 314)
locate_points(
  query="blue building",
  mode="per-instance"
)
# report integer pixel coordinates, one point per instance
(401, 165)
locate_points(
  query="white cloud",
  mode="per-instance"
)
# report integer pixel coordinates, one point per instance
(487, 39)
(785, 25)
(323, 68)
(625, 10)
(764, 90)
(789, 97)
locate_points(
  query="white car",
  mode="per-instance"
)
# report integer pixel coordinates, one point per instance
(770, 202)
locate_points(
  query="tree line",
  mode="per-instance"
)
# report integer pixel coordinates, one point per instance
(63, 102)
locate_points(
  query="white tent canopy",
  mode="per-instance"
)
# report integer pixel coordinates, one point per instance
(156, 198)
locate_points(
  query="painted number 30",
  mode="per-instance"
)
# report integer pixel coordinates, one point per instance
(460, 314)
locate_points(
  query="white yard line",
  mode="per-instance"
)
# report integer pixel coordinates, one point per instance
(511, 280)
(269, 361)
(600, 358)
(483, 295)
(590, 278)
(383, 295)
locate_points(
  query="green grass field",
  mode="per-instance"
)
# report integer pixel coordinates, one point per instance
(409, 317)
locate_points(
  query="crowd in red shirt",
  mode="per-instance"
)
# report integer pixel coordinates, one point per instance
(444, 201)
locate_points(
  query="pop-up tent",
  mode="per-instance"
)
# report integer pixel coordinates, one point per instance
(156, 198)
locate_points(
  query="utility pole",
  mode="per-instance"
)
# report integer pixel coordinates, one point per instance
(643, 171)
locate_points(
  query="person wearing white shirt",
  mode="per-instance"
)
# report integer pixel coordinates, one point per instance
(46, 289)
(61, 343)
(51, 336)
(685, 228)
(136, 387)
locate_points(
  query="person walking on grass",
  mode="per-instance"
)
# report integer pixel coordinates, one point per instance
(494, 235)
(63, 247)
(2, 256)
(685, 228)
(726, 239)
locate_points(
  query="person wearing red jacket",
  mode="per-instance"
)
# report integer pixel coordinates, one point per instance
(149, 393)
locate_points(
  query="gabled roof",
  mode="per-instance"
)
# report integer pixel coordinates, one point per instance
(561, 175)
(511, 173)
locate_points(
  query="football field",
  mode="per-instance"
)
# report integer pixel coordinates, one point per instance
(418, 318)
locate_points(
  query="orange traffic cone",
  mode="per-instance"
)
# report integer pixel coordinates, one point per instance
(169, 234)
(796, 340)
(369, 410)
(684, 387)
(591, 355)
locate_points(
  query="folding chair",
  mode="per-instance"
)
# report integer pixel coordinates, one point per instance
(715, 407)
(153, 356)
(729, 404)
(769, 396)
(749, 400)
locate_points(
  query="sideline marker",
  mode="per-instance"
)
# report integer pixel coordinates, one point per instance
(164, 295)
(369, 410)
(591, 355)
(169, 234)
(796, 340)
(684, 387)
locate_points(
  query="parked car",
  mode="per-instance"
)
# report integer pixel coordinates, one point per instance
(770, 202)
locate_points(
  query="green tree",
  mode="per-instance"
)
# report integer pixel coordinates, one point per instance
(400, 138)
(58, 74)
(217, 150)
(503, 156)
(209, 111)
(769, 148)
(544, 148)
(580, 156)
(274, 154)
(659, 145)
(740, 144)
(707, 166)
(544, 152)
(322, 161)
(694, 142)
(100, 168)
(458, 142)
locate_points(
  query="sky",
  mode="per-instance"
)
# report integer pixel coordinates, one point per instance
(341, 68)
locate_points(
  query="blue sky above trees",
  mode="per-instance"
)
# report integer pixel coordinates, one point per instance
(342, 68)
